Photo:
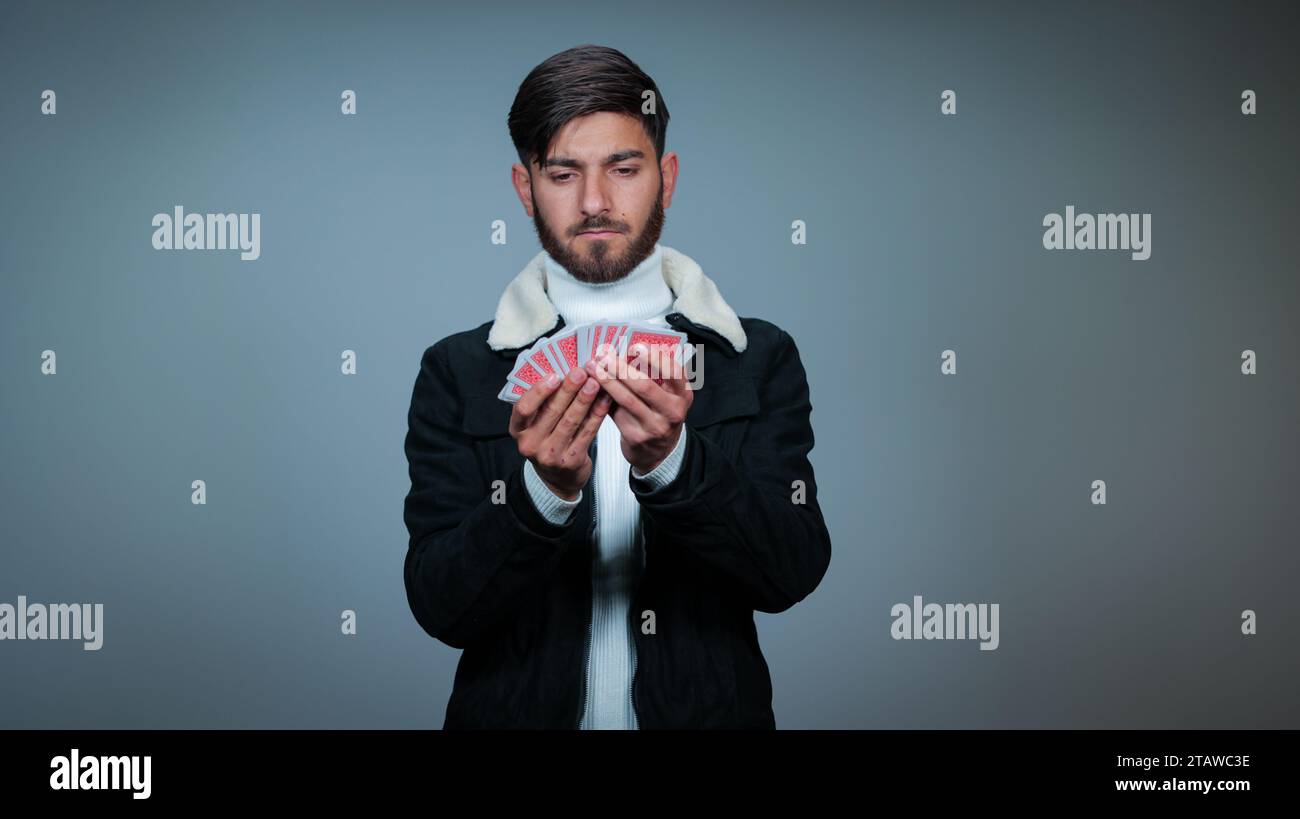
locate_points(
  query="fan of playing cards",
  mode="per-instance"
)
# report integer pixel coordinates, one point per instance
(573, 347)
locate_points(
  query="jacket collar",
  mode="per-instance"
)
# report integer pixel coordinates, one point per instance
(525, 312)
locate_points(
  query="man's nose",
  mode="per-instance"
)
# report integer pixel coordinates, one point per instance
(595, 196)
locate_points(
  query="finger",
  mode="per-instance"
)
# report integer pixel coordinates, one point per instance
(629, 426)
(647, 360)
(526, 407)
(639, 358)
(591, 425)
(653, 396)
(663, 365)
(572, 418)
(660, 360)
(546, 419)
(620, 390)
(675, 374)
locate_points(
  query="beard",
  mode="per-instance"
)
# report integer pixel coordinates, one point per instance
(600, 265)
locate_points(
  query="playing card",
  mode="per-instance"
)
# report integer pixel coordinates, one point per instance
(592, 335)
(530, 367)
(574, 346)
(584, 333)
(654, 336)
(565, 346)
(589, 336)
(609, 334)
(512, 392)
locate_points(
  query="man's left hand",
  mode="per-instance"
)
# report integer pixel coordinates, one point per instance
(649, 415)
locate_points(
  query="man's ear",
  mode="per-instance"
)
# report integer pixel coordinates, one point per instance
(668, 169)
(522, 181)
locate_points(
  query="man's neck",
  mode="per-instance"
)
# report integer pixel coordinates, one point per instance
(640, 295)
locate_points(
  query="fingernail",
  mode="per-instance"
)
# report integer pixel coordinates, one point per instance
(575, 375)
(590, 387)
(552, 379)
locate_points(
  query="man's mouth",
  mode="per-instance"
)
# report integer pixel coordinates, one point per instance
(599, 232)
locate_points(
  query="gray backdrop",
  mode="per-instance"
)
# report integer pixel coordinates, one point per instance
(924, 234)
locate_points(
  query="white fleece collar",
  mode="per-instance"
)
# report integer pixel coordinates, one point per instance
(525, 311)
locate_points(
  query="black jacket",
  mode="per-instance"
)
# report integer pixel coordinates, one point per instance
(725, 539)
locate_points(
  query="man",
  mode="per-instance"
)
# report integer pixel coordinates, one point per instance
(598, 549)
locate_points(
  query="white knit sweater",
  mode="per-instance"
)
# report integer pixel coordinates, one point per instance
(619, 558)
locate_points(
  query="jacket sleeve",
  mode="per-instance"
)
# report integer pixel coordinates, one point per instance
(470, 562)
(743, 517)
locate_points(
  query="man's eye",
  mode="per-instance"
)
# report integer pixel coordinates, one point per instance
(630, 171)
(561, 177)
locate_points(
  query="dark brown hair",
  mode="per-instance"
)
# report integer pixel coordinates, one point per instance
(580, 81)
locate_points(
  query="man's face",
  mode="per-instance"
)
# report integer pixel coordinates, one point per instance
(598, 202)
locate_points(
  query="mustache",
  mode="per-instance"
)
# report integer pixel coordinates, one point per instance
(603, 226)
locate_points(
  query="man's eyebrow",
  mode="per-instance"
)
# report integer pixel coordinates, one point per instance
(617, 156)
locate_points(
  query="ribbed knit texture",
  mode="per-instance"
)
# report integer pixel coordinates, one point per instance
(618, 559)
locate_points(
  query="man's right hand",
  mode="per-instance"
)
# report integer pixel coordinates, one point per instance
(553, 425)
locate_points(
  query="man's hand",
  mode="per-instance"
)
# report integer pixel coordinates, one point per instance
(649, 415)
(553, 425)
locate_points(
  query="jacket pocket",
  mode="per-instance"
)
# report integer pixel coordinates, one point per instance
(486, 417)
(487, 422)
(722, 410)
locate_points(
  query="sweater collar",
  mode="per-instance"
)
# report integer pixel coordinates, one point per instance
(641, 295)
(525, 311)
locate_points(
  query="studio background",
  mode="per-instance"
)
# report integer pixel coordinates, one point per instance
(924, 234)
